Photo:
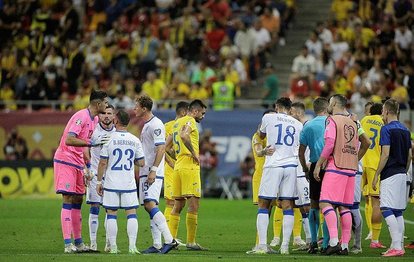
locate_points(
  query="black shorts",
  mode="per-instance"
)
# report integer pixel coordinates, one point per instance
(315, 186)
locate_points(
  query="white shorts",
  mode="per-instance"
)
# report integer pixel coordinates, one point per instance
(357, 191)
(150, 193)
(278, 182)
(393, 192)
(302, 190)
(92, 196)
(120, 200)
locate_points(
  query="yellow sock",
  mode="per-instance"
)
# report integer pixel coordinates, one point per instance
(277, 222)
(297, 226)
(368, 215)
(321, 220)
(173, 225)
(167, 214)
(191, 221)
(257, 238)
(376, 230)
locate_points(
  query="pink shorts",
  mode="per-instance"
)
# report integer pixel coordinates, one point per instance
(68, 179)
(338, 187)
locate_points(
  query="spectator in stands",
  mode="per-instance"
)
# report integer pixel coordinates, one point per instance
(208, 162)
(74, 67)
(203, 74)
(154, 87)
(262, 42)
(223, 93)
(340, 9)
(15, 147)
(94, 61)
(324, 33)
(197, 91)
(245, 42)
(314, 45)
(404, 39)
(9, 21)
(247, 169)
(7, 96)
(71, 22)
(271, 23)
(121, 101)
(304, 67)
(271, 86)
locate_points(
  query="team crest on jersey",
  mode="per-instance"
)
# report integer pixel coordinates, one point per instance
(157, 132)
(78, 122)
(349, 133)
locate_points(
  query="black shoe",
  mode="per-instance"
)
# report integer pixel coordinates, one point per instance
(168, 247)
(333, 250)
(313, 248)
(323, 250)
(343, 252)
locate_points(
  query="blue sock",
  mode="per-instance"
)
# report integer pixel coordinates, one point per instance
(325, 235)
(314, 224)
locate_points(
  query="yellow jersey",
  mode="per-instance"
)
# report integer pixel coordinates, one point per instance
(182, 154)
(258, 161)
(372, 127)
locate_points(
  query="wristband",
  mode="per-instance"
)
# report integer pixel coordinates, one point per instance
(154, 168)
(88, 165)
(99, 182)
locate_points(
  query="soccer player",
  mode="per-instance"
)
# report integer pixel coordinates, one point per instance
(260, 150)
(339, 158)
(394, 163)
(69, 164)
(152, 174)
(117, 161)
(186, 179)
(372, 125)
(368, 206)
(302, 189)
(312, 137)
(181, 110)
(279, 171)
(105, 127)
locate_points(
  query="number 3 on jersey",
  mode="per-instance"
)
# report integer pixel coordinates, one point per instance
(122, 166)
(175, 140)
(288, 139)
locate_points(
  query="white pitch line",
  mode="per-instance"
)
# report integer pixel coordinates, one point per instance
(405, 220)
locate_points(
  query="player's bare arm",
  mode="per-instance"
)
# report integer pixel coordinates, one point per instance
(103, 164)
(87, 169)
(261, 152)
(365, 144)
(385, 153)
(159, 154)
(185, 137)
(305, 168)
(409, 160)
(169, 149)
(72, 140)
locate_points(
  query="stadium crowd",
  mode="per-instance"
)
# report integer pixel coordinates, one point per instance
(363, 51)
(61, 50)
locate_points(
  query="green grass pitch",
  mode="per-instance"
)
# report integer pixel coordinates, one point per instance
(30, 231)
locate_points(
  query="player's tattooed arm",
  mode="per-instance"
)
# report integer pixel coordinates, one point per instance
(185, 137)
(169, 150)
(365, 143)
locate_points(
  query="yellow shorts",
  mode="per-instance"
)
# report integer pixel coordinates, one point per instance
(168, 182)
(370, 174)
(186, 183)
(257, 176)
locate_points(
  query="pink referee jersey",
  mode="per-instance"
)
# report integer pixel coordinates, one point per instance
(81, 124)
(337, 184)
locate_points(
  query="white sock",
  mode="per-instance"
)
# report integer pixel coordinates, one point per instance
(112, 230)
(401, 226)
(106, 235)
(394, 229)
(159, 220)
(287, 226)
(357, 226)
(132, 230)
(306, 228)
(333, 241)
(93, 227)
(262, 223)
(156, 235)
